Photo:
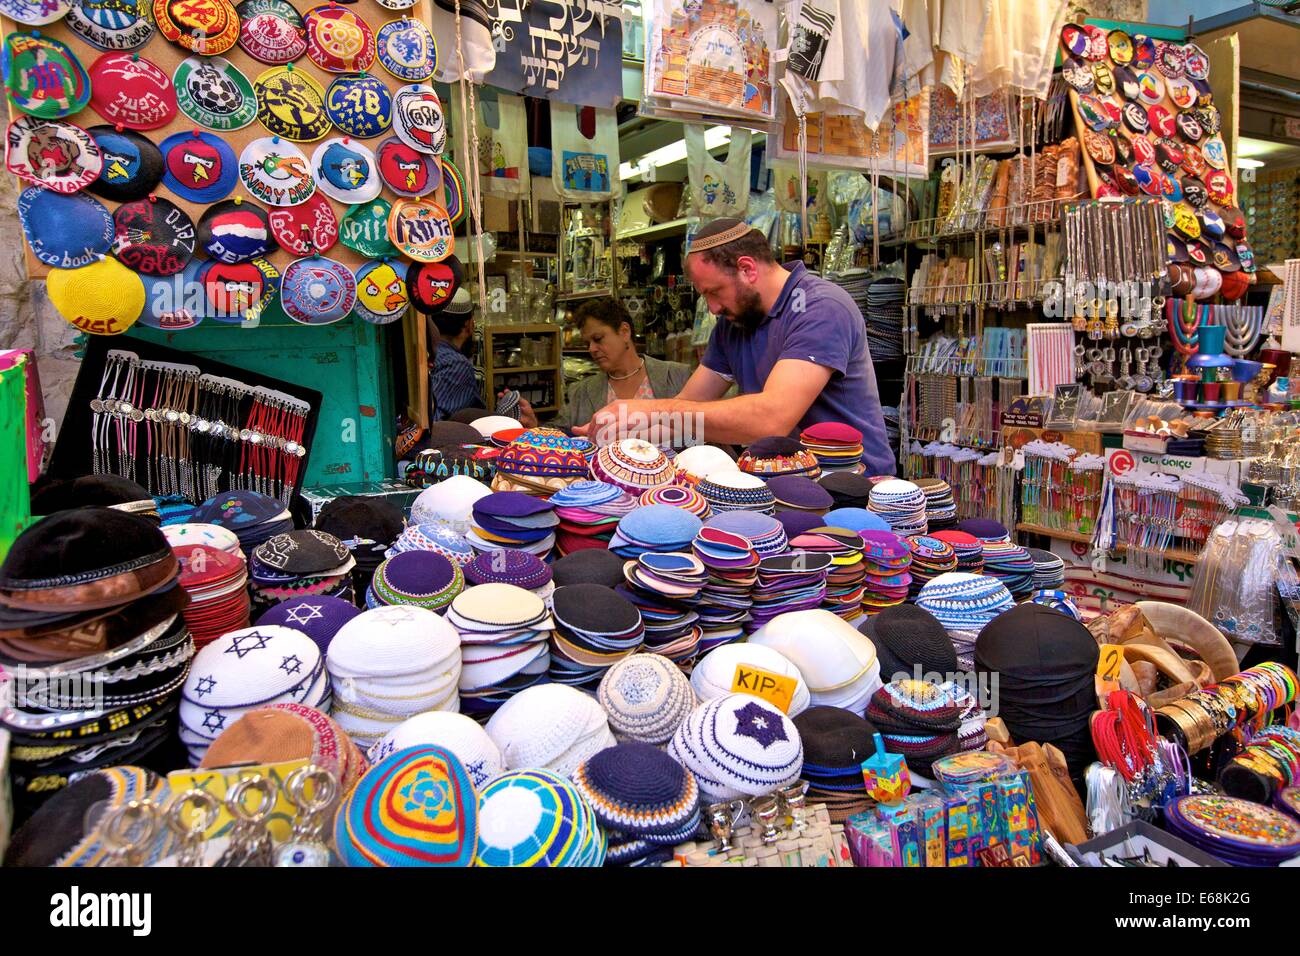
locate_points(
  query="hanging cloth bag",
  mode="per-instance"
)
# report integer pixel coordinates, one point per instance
(584, 148)
(502, 143)
(718, 188)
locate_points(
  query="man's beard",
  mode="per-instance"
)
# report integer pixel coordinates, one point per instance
(749, 314)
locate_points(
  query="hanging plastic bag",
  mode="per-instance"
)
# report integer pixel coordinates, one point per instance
(502, 142)
(584, 147)
(721, 188)
(785, 185)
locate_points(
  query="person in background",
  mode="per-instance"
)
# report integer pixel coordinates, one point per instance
(794, 345)
(452, 385)
(624, 373)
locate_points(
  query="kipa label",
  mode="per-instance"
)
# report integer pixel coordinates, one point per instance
(774, 688)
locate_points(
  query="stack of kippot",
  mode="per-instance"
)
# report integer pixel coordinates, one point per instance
(519, 568)
(986, 529)
(297, 564)
(633, 465)
(449, 503)
(252, 516)
(835, 743)
(778, 455)
(1045, 664)
(537, 818)
(906, 638)
(715, 672)
(725, 601)
(539, 463)
(320, 618)
(439, 539)
(658, 528)
(419, 578)
(940, 508)
(389, 664)
(888, 570)
(847, 570)
(701, 461)
(855, 519)
(595, 628)
(838, 663)
(588, 513)
(800, 493)
(244, 670)
(217, 583)
(209, 535)
(931, 557)
(454, 732)
(849, 489)
(645, 799)
(589, 566)
(901, 503)
(738, 746)
(736, 491)
(968, 548)
(509, 519)
(646, 697)
(837, 447)
(550, 726)
(795, 581)
(1049, 569)
(665, 588)
(505, 636)
(367, 526)
(679, 496)
(916, 719)
(416, 807)
(764, 532)
(1010, 564)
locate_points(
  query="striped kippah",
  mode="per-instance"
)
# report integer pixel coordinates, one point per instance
(415, 808)
(537, 818)
(638, 790)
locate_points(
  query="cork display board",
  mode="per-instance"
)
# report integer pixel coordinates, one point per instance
(167, 56)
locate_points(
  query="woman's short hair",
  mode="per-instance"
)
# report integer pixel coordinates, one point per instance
(607, 311)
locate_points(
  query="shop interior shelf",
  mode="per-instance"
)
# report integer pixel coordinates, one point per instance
(675, 227)
(1173, 554)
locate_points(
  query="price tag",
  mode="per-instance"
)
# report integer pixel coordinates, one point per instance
(776, 689)
(1108, 666)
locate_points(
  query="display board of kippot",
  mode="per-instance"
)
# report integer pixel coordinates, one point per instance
(1149, 126)
(225, 142)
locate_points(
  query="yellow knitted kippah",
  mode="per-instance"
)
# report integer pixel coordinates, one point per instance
(103, 298)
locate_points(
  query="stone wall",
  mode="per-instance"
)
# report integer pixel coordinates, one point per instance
(27, 320)
(1132, 10)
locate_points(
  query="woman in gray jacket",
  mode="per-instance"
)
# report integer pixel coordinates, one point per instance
(624, 374)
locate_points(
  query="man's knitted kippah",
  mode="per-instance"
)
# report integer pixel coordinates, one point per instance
(913, 706)
(640, 791)
(719, 233)
(905, 636)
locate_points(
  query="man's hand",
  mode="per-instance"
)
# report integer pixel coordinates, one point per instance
(632, 418)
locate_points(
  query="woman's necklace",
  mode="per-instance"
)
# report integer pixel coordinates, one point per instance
(623, 378)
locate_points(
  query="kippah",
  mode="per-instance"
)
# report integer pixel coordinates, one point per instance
(719, 233)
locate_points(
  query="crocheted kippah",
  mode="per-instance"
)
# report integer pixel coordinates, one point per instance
(719, 232)
(415, 808)
(646, 697)
(638, 790)
(537, 818)
(508, 567)
(908, 705)
(738, 746)
(907, 636)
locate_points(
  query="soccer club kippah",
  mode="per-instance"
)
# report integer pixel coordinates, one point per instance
(719, 233)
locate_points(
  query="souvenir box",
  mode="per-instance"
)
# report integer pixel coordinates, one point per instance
(1140, 837)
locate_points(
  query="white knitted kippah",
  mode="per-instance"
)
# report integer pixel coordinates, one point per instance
(738, 746)
(701, 461)
(646, 697)
(456, 732)
(541, 724)
(449, 502)
(391, 641)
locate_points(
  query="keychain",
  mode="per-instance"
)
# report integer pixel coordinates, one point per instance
(129, 831)
(205, 809)
(1125, 380)
(250, 840)
(306, 846)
